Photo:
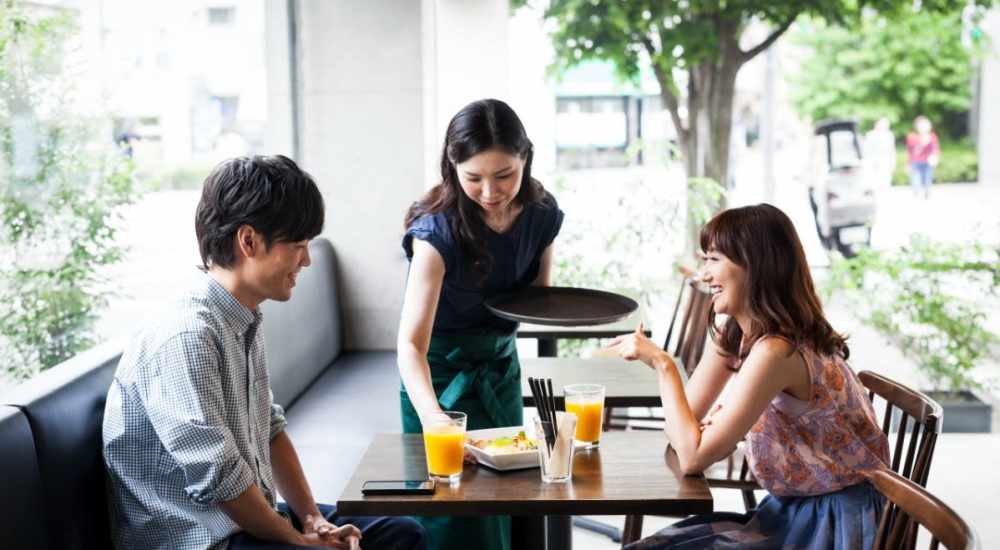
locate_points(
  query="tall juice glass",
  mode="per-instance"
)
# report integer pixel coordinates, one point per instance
(586, 401)
(444, 443)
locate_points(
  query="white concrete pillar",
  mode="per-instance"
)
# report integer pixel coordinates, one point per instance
(989, 108)
(466, 57)
(532, 95)
(379, 81)
(278, 137)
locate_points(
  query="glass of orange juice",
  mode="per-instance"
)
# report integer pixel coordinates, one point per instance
(444, 443)
(586, 401)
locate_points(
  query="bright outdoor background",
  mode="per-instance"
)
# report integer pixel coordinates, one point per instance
(113, 111)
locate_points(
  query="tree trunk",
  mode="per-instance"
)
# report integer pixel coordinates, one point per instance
(704, 137)
(704, 141)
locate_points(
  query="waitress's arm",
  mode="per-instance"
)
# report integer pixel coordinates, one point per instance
(423, 289)
(545, 268)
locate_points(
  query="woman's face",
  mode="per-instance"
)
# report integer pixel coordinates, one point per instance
(491, 179)
(727, 282)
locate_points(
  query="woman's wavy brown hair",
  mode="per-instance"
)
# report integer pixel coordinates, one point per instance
(780, 292)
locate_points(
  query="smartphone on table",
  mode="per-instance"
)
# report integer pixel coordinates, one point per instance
(398, 487)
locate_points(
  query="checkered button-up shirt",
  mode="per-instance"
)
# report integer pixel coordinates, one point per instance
(188, 424)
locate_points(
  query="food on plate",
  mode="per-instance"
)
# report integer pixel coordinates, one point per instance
(517, 443)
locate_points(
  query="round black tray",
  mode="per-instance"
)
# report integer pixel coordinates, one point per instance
(562, 306)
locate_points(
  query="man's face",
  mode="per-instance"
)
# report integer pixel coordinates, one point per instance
(271, 273)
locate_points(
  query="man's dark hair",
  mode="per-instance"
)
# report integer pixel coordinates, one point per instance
(269, 193)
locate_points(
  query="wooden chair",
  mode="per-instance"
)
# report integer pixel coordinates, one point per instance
(900, 405)
(691, 335)
(688, 343)
(909, 507)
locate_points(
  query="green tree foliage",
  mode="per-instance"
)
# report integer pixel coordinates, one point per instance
(695, 48)
(61, 182)
(898, 66)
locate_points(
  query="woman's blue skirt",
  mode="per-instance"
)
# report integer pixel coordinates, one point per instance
(844, 520)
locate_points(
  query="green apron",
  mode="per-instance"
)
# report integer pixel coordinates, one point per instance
(480, 376)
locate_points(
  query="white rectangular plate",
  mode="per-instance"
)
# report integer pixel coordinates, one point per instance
(512, 461)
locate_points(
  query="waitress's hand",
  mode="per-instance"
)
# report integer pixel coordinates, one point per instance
(470, 458)
(635, 346)
(424, 415)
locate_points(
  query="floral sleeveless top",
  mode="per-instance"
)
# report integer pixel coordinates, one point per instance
(799, 448)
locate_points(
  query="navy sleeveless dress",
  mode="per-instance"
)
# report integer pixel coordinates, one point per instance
(472, 354)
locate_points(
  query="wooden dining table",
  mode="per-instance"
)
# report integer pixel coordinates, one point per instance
(631, 473)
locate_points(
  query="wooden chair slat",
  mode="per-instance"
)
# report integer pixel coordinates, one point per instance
(911, 455)
(908, 505)
(900, 435)
(887, 420)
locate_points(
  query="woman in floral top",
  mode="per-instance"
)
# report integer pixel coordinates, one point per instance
(810, 429)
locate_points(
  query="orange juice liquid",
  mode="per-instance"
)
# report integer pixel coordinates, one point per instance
(588, 419)
(445, 449)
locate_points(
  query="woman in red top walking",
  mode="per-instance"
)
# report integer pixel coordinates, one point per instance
(923, 152)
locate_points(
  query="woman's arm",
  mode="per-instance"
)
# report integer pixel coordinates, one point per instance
(423, 289)
(708, 381)
(768, 370)
(545, 268)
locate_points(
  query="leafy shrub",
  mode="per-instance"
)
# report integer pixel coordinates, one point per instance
(930, 299)
(61, 182)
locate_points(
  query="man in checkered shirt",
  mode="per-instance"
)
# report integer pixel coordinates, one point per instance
(194, 445)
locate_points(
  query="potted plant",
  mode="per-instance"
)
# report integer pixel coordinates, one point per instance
(931, 300)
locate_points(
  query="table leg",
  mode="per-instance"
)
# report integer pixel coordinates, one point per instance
(559, 532)
(633, 529)
(527, 532)
(548, 347)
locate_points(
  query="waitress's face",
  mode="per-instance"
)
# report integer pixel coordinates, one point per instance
(491, 179)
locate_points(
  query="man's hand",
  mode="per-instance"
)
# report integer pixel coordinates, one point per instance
(319, 532)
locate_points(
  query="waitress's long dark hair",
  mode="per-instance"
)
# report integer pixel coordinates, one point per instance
(782, 300)
(479, 126)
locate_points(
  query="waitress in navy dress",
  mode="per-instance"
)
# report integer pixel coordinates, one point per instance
(487, 228)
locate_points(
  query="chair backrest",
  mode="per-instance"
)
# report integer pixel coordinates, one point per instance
(919, 423)
(22, 516)
(693, 330)
(908, 507)
(304, 335)
(65, 408)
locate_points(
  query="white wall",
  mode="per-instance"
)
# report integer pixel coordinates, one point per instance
(278, 136)
(362, 130)
(989, 108)
(379, 82)
(465, 59)
(532, 95)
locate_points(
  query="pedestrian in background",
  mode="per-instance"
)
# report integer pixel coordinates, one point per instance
(880, 154)
(924, 152)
